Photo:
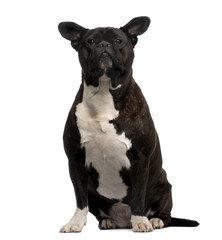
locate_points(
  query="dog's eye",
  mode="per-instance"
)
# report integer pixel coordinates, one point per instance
(118, 41)
(91, 41)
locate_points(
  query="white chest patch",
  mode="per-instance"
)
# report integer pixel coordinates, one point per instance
(105, 149)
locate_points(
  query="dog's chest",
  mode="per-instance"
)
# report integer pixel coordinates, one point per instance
(105, 149)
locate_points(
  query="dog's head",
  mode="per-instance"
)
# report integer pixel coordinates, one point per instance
(105, 50)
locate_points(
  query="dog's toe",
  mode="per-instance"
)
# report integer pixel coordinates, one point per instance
(107, 224)
(71, 227)
(141, 224)
(156, 223)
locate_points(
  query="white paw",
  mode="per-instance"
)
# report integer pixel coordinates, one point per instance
(77, 222)
(141, 224)
(156, 223)
(107, 224)
(72, 227)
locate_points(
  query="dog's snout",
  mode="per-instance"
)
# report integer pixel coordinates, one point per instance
(104, 44)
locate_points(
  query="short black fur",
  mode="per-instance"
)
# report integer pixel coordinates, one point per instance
(148, 187)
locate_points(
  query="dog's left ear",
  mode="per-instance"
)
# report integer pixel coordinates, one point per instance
(73, 32)
(136, 27)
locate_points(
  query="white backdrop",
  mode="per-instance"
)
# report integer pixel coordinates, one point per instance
(177, 65)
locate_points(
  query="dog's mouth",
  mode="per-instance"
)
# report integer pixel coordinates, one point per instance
(105, 61)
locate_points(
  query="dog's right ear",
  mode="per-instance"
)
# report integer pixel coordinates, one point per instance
(72, 32)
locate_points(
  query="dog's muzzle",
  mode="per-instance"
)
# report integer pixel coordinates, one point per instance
(105, 61)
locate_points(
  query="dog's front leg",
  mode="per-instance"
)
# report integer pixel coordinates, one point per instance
(78, 174)
(139, 178)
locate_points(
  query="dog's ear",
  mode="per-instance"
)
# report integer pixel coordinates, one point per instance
(72, 32)
(136, 27)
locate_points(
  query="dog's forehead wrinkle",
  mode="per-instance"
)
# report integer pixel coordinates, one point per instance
(106, 32)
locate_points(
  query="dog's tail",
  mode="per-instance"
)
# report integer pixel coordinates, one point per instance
(179, 222)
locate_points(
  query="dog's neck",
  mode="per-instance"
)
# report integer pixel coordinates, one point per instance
(98, 101)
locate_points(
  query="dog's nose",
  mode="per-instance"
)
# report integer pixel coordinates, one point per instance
(104, 44)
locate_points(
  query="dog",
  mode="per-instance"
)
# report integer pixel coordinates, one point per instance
(113, 149)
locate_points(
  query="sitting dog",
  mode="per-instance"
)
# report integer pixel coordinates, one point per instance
(110, 140)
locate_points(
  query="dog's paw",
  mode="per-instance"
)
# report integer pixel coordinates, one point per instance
(72, 227)
(141, 224)
(77, 223)
(156, 223)
(107, 224)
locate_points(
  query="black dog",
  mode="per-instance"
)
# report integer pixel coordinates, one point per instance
(110, 140)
